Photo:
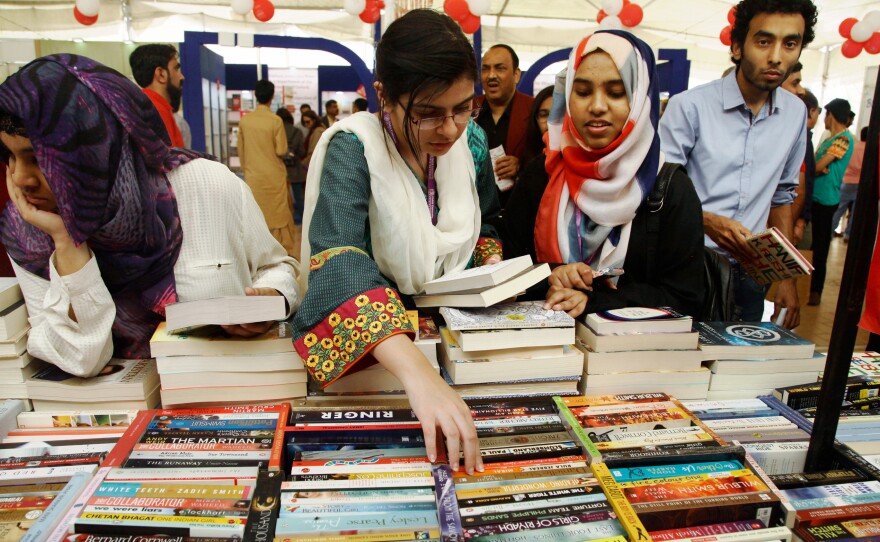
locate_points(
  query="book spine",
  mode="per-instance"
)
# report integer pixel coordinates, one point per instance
(517, 506)
(222, 505)
(576, 532)
(706, 530)
(215, 433)
(199, 454)
(571, 423)
(539, 451)
(59, 506)
(194, 463)
(211, 472)
(532, 524)
(211, 411)
(852, 458)
(42, 474)
(172, 491)
(495, 500)
(325, 509)
(850, 530)
(239, 446)
(145, 524)
(687, 478)
(540, 438)
(632, 525)
(809, 479)
(485, 432)
(447, 505)
(211, 425)
(624, 474)
(396, 536)
(52, 461)
(501, 517)
(658, 516)
(117, 456)
(356, 476)
(531, 487)
(166, 511)
(263, 513)
(494, 478)
(357, 416)
(490, 411)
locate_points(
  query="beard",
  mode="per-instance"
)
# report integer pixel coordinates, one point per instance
(174, 96)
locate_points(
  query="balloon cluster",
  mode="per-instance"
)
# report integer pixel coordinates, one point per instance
(725, 32)
(616, 14)
(86, 11)
(467, 12)
(860, 35)
(263, 9)
(369, 11)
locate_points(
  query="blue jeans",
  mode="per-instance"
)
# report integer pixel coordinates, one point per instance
(298, 193)
(749, 295)
(847, 201)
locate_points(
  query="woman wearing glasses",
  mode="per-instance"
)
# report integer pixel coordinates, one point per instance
(392, 201)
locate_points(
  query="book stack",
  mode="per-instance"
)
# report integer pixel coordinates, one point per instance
(371, 381)
(15, 363)
(515, 349)
(686, 489)
(216, 503)
(641, 350)
(834, 511)
(632, 424)
(130, 384)
(751, 358)
(205, 366)
(89, 426)
(536, 483)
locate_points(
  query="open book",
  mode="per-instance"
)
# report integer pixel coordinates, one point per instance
(776, 258)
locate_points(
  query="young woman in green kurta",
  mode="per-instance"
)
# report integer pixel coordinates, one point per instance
(394, 200)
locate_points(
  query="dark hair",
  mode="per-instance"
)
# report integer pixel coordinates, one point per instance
(534, 137)
(810, 100)
(145, 59)
(329, 103)
(316, 120)
(362, 104)
(264, 91)
(304, 105)
(510, 50)
(746, 10)
(12, 125)
(797, 67)
(422, 54)
(863, 135)
(285, 115)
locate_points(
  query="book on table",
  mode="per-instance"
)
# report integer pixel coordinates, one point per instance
(752, 340)
(514, 315)
(636, 341)
(496, 339)
(489, 295)
(213, 341)
(13, 319)
(639, 320)
(15, 345)
(10, 292)
(228, 310)
(776, 258)
(484, 276)
(120, 380)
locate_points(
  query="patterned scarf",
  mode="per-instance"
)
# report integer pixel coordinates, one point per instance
(103, 149)
(592, 196)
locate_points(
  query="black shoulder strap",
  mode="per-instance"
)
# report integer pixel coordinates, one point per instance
(653, 205)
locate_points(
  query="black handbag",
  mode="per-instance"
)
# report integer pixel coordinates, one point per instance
(718, 299)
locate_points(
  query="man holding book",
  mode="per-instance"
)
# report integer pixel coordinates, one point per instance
(763, 132)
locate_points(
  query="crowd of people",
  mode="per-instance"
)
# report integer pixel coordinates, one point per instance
(112, 218)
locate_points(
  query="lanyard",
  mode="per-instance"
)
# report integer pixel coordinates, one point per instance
(432, 165)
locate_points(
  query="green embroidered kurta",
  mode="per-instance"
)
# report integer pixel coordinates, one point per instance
(350, 306)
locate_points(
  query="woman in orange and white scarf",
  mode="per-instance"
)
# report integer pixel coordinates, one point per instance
(582, 206)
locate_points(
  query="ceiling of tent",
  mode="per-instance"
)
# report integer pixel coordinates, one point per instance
(532, 25)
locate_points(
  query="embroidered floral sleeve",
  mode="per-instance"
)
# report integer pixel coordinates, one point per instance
(486, 247)
(351, 331)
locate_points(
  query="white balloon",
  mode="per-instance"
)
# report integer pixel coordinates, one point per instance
(611, 22)
(354, 7)
(873, 19)
(861, 32)
(479, 7)
(612, 7)
(242, 7)
(89, 8)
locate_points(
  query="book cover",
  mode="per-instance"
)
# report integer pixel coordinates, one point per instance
(489, 296)
(484, 276)
(730, 340)
(213, 341)
(514, 315)
(264, 506)
(536, 513)
(775, 258)
(639, 320)
(119, 379)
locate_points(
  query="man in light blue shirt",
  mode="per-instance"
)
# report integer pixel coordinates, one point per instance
(742, 141)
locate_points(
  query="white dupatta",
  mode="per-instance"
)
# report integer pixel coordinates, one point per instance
(407, 248)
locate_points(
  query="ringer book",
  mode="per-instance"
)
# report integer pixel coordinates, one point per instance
(487, 296)
(639, 320)
(222, 311)
(776, 258)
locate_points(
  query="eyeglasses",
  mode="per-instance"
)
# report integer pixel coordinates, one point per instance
(460, 117)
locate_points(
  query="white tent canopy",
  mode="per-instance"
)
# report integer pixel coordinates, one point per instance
(533, 27)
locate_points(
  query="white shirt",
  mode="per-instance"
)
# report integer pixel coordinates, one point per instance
(226, 248)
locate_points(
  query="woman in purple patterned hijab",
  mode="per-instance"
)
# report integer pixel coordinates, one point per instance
(89, 163)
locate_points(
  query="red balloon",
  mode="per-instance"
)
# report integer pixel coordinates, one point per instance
(601, 15)
(264, 10)
(370, 14)
(851, 49)
(725, 35)
(872, 46)
(457, 9)
(846, 27)
(470, 25)
(631, 15)
(731, 16)
(82, 19)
